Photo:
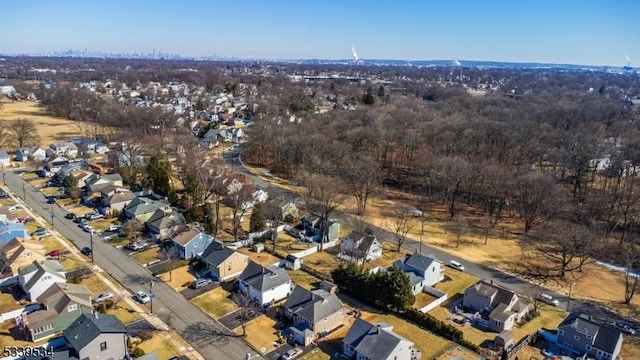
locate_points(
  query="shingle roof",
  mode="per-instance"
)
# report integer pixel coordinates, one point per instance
(52, 267)
(185, 237)
(264, 278)
(321, 306)
(371, 341)
(607, 339)
(88, 327)
(216, 253)
(419, 261)
(499, 294)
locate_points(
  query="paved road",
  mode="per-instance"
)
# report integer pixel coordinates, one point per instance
(478, 270)
(206, 335)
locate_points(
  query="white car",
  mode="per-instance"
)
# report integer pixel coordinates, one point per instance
(142, 297)
(456, 265)
(14, 207)
(292, 354)
(88, 228)
(102, 297)
(548, 299)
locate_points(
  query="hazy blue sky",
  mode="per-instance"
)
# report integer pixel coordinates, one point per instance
(555, 31)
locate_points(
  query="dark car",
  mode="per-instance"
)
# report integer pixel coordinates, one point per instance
(3, 195)
(86, 250)
(51, 200)
(70, 216)
(78, 219)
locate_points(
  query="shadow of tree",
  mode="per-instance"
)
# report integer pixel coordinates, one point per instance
(207, 333)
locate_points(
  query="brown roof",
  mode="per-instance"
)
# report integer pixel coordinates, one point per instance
(183, 237)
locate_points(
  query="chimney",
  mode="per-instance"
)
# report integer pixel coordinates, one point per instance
(96, 314)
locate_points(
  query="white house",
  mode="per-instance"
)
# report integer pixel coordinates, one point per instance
(37, 277)
(5, 159)
(265, 285)
(422, 270)
(67, 149)
(361, 247)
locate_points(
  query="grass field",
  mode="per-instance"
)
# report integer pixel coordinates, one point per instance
(146, 256)
(179, 279)
(263, 258)
(261, 333)
(162, 344)
(304, 279)
(455, 282)
(48, 128)
(216, 303)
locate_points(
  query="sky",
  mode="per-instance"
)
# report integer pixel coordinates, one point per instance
(581, 32)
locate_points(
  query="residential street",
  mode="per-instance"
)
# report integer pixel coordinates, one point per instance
(206, 335)
(478, 270)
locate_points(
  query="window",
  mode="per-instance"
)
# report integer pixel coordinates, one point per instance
(588, 347)
(103, 346)
(72, 307)
(560, 332)
(589, 337)
(46, 277)
(576, 337)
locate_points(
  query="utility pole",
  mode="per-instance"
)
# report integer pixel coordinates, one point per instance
(150, 295)
(24, 193)
(91, 239)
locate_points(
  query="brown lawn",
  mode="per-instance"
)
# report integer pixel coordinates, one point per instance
(263, 258)
(8, 303)
(455, 282)
(456, 352)
(95, 285)
(49, 129)
(124, 312)
(147, 256)
(304, 279)
(322, 262)
(261, 333)
(162, 344)
(179, 279)
(423, 299)
(217, 302)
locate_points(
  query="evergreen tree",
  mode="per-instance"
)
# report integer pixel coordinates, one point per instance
(70, 185)
(158, 174)
(399, 288)
(257, 222)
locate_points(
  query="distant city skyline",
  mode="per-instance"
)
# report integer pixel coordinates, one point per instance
(561, 32)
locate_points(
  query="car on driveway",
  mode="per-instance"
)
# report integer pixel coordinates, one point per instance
(41, 233)
(292, 354)
(88, 228)
(3, 195)
(113, 227)
(14, 207)
(142, 297)
(86, 250)
(200, 282)
(70, 216)
(102, 297)
(54, 253)
(79, 219)
(93, 216)
(136, 245)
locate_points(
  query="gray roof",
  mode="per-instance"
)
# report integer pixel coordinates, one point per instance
(4, 154)
(607, 339)
(419, 261)
(500, 295)
(88, 327)
(581, 324)
(113, 177)
(264, 278)
(371, 341)
(321, 305)
(413, 278)
(163, 220)
(216, 253)
(143, 205)
(52, 267)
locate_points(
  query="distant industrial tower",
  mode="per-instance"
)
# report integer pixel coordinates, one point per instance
(628, 67)
(356, 58)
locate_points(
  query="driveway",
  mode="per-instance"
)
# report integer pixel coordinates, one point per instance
(190, 293)
(206, 335)
(231, 321)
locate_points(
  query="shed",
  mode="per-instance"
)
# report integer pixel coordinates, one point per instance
(292, 262)
(258, 247)
(301, 334)
(504, 339)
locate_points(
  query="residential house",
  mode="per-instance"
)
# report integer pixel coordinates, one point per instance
(66, 149)
(96, 336)
(142, 208)
(67, 169)
(5, 159)
(500, 306)
(265, 284)
(62, 304)
(368, 341)
(10, 230)
(310, 229)
(361, 247)
(89, 146)
(20, 252)
(115, 179)
(115, 198)
(423, 271)
(318, 311)
(53, 164)
(37, 277)
(162, 224)
(287, 210)
(34, 153)
(581, 335)
(83, 176)
(223, 263)
(190, 242)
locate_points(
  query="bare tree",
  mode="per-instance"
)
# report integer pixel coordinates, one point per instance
(245, 307)
(533, 293)
(24, 132)
(400, 225)
(273, 212)
(170, 253)
(240, 199)
(323, 194)
(361, 176)
(631, 257)
(533, 196)
(460, 226)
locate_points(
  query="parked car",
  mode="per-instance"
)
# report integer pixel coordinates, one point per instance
(113, 227)
(51, 200)
(625, 328)
(136, 245)
(14, 207)
(3, 195)
(79, 219)
(142, 297)
(70, 216)
(200, 282)
(93, 216)
(102, 297)
(456, 265)
(86, 250)
(41, 233)
(88, 228)
(54, 253)
(292, 354)
(548, 299)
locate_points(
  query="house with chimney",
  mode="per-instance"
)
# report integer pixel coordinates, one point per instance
(189, 241)
(162, 224)
(223, 263)
(61, 305)
(265, 285)
(360, 246)
(499, 306)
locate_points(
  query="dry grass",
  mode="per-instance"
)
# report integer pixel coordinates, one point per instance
(389, 255)
(630, 348)
(8, 303)
(124, 312)
(318, 354)
(95, 285)
(217, 302)
(11, 336)
(49, 129)
(179, 279)
(261, 333)
(322, 262)
(457, 352)
(428, 343)
(455, 282)
(147, 256)
(304, 279)
(423, 299)
(162, 344)
(263, 258)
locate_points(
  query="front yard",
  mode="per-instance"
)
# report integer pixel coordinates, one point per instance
(261, 333)
(217, 303)
(146, 256)
(263, 258)
(455, 282)
(179, 278)
(162, 344)
(304, 279)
